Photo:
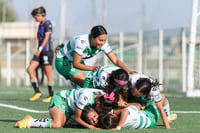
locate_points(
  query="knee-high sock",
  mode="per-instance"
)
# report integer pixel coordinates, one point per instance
(167, 109)
(40, 123)
(35, 85)
(51, 88)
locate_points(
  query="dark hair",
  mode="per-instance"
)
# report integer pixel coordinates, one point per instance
(106, 104)
(97, 30)
(144, 85)
(84, 113)
(40, 10)
(108, 121)
(119, 74)
(60, 46)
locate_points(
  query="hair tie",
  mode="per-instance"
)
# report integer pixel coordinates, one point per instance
(121, 82)
(110, 97)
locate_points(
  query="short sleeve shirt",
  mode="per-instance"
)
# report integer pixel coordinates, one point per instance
(81, 45)
(42, 30)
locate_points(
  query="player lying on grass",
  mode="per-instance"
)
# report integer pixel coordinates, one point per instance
(63, 104)
(130, 118)
(143, 90)
(107, 78)
(127, 118)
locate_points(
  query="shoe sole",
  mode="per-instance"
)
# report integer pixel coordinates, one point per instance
(18, 122)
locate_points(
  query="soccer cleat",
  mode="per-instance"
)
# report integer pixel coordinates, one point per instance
(47, 100)
(173, 117)
(24, 122)
(36, 96)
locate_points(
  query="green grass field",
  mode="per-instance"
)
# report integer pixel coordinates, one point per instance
(14, 105)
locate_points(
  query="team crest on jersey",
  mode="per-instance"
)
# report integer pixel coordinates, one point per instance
(63, 106)
(82, 41)
(72, 69)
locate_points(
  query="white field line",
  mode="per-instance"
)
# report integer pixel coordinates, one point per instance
(37, 111)
(22, 109)
(186, 112)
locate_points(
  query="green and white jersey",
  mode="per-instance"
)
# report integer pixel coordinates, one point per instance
(81, 45)
(79, 98)
(136, 119)
(99, 77)
(154, 93)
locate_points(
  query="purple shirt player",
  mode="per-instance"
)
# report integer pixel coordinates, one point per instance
(43, 28)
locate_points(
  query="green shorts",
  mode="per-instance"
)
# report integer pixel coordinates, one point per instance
(65, 68)
(152, 112)
(61, 103)
(88, 82)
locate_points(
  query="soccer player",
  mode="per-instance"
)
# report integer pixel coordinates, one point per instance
(44, 54)
(130, 118)
(71, 59)
(65, 103)
(107, 78)
(144, 90)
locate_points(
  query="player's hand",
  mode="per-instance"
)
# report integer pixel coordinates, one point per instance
(93, 127)
(96, 68)
(132, 72)
(38, 53)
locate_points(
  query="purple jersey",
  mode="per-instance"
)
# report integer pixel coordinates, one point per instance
(43, 28)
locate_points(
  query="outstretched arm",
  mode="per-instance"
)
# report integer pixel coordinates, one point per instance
(117, 62)
(163, 115)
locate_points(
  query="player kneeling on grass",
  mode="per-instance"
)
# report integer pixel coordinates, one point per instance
(62, 105)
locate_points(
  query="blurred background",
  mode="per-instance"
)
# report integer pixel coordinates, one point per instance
(150, 36)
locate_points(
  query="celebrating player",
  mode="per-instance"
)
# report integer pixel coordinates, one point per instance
(71, 59)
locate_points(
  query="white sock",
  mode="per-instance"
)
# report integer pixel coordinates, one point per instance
(40, 123)
(167, 109)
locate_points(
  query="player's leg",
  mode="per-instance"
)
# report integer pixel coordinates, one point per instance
(48, 73)
(58, 117)
(57, 107)
(57, 120)
(78, 78)
(31, 71)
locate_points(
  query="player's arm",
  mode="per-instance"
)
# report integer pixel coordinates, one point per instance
(163, 115)
(77, 63)
(46, 38)
(117, 62)
(123, 114)
(80, 121)
(122, 98)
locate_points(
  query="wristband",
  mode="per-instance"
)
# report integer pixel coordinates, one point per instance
(40, 48)
(118, 128)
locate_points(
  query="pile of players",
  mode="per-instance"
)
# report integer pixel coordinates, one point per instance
(119, 100)
(104, 97)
